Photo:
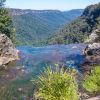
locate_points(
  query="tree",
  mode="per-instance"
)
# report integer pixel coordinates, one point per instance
(2, 3)
(6, 25)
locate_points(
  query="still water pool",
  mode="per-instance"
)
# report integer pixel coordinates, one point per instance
(15, 82)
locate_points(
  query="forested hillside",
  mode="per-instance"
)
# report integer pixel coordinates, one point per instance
(79, 29)
(34, 27)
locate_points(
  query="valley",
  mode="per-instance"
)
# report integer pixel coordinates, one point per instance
(49, 54)
(34, 27)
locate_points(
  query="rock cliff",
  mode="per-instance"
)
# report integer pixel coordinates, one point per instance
(8, 52)
(92, 51)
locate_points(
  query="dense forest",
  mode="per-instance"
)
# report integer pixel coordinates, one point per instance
(78, 30)
(33, 27)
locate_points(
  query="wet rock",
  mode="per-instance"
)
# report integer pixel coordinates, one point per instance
(8, 52)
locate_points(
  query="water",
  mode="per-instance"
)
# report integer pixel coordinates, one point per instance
(68, 55)
(32, 62)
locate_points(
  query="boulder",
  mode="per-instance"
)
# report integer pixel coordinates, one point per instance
(8, 52)
(92, 51)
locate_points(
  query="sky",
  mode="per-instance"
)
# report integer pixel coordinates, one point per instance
(62, 5)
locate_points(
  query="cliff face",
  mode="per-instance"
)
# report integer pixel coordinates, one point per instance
(8, 52)
(92, 51)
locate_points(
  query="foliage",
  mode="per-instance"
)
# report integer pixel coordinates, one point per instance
(67, 38)
(57, 85)
(2, 3)
(35, 28)
(92, 82)
(6, 26)
(80, 28)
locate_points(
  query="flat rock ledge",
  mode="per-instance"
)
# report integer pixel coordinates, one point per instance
(8, 52)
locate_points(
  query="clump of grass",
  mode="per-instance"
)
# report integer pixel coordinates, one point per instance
(56, 85)
(92, 81)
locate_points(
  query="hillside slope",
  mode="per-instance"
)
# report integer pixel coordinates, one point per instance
(34, 27)
(80, 28)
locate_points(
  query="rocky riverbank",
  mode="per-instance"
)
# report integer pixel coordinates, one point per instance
(92, 50)
(92, 55)
(8, 52)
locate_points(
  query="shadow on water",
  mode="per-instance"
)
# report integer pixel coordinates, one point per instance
(15, 81)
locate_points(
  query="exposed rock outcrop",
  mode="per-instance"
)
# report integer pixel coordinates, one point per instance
(94, 43)
(92, 51)
(8, 52)
(95, 36)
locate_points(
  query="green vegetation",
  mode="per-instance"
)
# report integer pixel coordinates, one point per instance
(57, 85)
(80, 28)
(6, 26)
(34, 28)
(92, 82)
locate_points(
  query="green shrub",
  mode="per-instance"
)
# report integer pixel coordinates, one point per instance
(92, 82)
(56, 85)
(6, 24)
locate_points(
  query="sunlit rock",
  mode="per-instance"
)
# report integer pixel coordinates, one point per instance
(8, 52)
(92, 51)
(95, 36)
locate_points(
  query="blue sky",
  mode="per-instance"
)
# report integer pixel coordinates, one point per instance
(50, 4)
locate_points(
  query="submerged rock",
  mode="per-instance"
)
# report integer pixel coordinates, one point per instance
(8, 52)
